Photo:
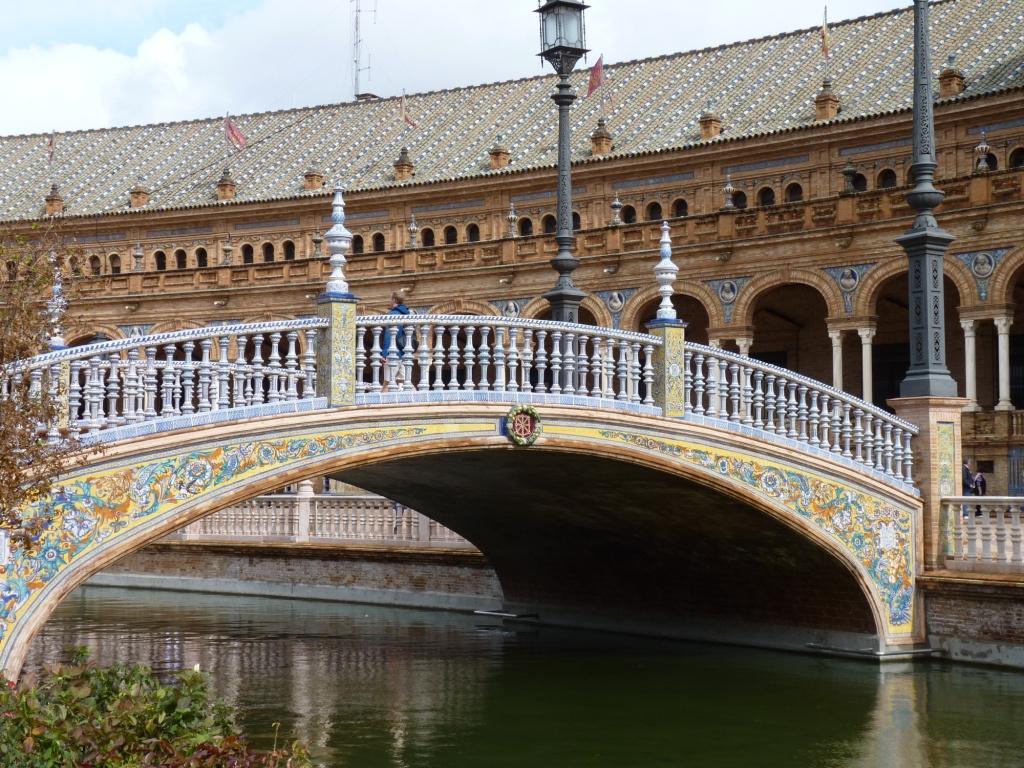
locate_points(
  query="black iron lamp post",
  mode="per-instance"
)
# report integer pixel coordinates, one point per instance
(925, 242)
(562, 45)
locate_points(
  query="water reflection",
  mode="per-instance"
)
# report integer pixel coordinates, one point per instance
(371, 686)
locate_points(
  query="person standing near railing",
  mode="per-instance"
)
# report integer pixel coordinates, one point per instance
(393, 350)
(968, 481)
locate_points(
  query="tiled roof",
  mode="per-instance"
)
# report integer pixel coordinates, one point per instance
(757, 87)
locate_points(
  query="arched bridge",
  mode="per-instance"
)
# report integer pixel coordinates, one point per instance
(613, 479)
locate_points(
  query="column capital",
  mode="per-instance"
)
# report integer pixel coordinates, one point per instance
(837, 336)
(1003, 323)
(969, 326)
(867, 334)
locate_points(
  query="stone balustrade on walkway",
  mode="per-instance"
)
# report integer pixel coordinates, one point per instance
(983, 533)
(323, 518)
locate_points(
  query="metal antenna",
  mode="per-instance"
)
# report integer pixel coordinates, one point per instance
(357, 42)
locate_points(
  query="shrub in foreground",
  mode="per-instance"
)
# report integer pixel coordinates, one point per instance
(81, 715)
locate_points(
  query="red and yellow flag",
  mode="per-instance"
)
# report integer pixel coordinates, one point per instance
(233, 135)
(824, 33)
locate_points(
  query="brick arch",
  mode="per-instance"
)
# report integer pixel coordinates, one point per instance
(535, 309)
(231, 462)
(175, 324)
(112, 332)
(866, 299)
(462, 306)
(699, 291)
(1001, 283)
(742, 312)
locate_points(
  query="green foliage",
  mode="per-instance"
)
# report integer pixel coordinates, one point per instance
(81, 715)
(30, 263)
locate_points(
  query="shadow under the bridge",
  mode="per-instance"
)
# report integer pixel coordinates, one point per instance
(591, 541)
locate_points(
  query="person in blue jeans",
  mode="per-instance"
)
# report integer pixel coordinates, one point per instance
(393, 352)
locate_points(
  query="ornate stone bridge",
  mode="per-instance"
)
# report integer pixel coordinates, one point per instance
(613, 479)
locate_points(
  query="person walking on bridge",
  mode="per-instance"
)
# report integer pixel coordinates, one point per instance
(393, 350)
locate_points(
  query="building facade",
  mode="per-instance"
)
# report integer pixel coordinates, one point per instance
(783, 186)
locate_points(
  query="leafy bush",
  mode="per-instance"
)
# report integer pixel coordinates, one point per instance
(81, 715)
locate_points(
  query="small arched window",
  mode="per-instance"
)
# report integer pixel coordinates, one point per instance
(794, 193)
(202, 259)
(289, 250)
(1017, 158)
(451, 236)
(95, 266)
(473, 233)
(766, 196)
(550, 224)
(628, 214)
(357, 244)
(115, 264)
(525, 227)
(161, 260)
(180, 259)
(887, 179)
(247, 254)
(76, 269)
(268, 252)
(860, 182)
(680, 209)
(378, 242)
(576, 222)
(739, 200)
(12, 271)
(427, 238)
(654, 212)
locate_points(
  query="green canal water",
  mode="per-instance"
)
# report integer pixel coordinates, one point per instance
(370, 686)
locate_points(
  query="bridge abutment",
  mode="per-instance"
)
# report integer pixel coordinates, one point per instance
(937, 460)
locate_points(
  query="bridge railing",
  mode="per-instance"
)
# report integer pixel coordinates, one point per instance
(728, 387)
(323, 518)
(434, 353)
(983, 533)
(146, 378)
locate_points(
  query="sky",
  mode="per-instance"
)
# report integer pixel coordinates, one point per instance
(77, 64)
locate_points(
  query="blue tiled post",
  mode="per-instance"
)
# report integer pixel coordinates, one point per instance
(669, 361)
(336, 359)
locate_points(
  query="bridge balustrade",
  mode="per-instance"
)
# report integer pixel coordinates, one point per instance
(727, 387)
(146, 378)
(434, 353)
(983, 533)
(410, 358)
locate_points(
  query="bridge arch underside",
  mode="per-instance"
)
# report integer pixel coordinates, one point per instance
(609, 520)
(589, 541)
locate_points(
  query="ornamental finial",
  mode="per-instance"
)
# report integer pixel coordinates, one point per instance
(338, 241)
(665, 273)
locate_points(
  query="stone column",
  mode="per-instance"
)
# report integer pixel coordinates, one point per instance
(303, 507)
(837, 359)
(669, 369)
(937, 459)
(970, 364)
(1003, 327)
(866, 367)
(745, 343)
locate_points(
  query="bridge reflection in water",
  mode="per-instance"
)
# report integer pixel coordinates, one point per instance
(378, 686)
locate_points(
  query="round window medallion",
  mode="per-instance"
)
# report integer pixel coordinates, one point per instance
(522, 425)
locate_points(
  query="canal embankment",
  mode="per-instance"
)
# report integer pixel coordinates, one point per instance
(449, 579)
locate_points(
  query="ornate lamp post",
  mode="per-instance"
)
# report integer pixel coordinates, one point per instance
(562, 45)
(925, 242)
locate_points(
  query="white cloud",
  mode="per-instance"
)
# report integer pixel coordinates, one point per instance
(275, 54)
